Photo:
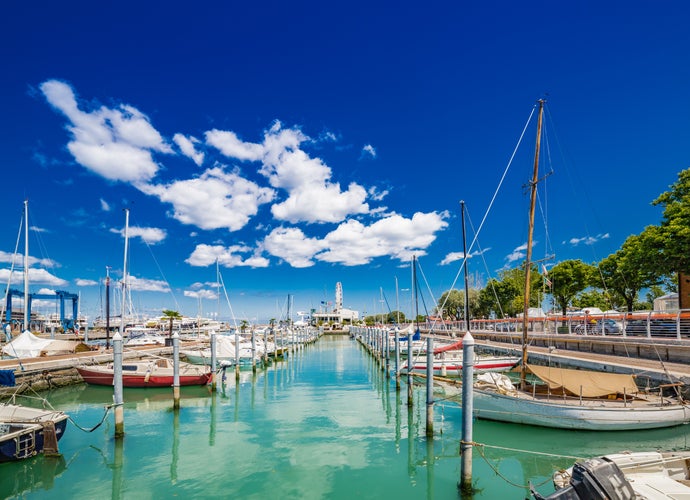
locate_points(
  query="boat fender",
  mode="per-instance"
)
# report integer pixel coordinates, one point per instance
(148, 375)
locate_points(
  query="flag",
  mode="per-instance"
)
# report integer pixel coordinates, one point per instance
(543, 269)
(548, 282)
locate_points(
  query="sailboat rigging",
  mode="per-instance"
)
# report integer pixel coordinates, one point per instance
(566, 398)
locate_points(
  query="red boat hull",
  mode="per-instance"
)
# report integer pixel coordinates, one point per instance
(99, 377)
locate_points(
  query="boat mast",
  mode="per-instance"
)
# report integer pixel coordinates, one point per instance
(464, 265)
(26, 265)
(124, 276)
(528, 257)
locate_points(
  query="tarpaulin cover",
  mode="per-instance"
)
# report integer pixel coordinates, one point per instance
(586, 383)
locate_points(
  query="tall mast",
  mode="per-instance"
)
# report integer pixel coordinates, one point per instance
(124, 276)
(464, 265)
(27, 311)
(530, 233)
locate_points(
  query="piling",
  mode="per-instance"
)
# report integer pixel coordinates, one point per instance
(237, 358)
(465, 485)
(213, 361)
(176, 371)
(118, 399)
(397, 358)
(429, 386)
(253, 351)
(410, 364)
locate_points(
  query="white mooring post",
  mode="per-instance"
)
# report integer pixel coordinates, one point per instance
(429, 386)
(118, 399)
(467, 411)
(176, 371)
(213, 361)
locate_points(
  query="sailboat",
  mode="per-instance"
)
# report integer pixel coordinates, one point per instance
(566, 398)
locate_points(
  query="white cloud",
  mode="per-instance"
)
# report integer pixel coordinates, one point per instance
(452, 257)
(201, 294)
(105, 206)
(588, 240)
(368, 150)
(205, 255)
(85, 282)
(18, 260)
(231, 146)
(293, 246)
(35, 276)
(186, 145)
(216, 199)
(377, 195)
(114, 143)
(147, 285)
(150, 235)
(518, 253)
(312, 196)
(352, 243)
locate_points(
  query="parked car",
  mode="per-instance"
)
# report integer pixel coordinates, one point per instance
(657, 327)
(608, 326)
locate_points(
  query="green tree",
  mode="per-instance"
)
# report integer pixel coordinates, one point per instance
(451, 304)
(672, 237)
(243, 325)
(631, 268)
(568, 278)
(171, 316)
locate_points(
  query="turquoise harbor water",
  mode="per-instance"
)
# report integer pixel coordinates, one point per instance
(324, 423)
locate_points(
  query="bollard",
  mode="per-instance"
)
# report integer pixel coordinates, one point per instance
(176, 371)
(397, 358)
(118, 399)
(213, 361)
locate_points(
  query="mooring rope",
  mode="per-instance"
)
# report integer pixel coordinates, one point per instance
(480, 447)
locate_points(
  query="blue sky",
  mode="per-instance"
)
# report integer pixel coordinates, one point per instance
(302, 144)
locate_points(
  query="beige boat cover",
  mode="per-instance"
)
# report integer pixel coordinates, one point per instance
(587, 383)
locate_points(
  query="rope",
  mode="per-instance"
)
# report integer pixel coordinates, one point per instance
(480, 447)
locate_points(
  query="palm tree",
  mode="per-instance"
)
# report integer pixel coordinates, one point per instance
(171, 315)
(243, 325)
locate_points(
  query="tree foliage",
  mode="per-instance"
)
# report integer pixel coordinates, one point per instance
(568, 278)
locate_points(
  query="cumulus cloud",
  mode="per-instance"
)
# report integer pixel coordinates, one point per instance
(312, 196)
(455, 256)
(588, 240)
(150, 235)
(85, 282)
(105, 206)
(293, 246)
(353, 243)
(18, 260)
(187, 146)
(518, 253)
(35, 276)
(114, 143)
(232, 256)
(216, 199)
(147, 285)
(201, 294)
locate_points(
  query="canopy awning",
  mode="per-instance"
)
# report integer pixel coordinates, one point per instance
(585, 383)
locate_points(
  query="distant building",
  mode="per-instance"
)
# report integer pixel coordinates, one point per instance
(667, 303)
(339, 315)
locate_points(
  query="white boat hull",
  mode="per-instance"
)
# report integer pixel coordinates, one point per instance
(590, 415)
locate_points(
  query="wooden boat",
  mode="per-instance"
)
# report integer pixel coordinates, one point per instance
(148, 373)
(627, 475)
(571, 399)
(25, 431)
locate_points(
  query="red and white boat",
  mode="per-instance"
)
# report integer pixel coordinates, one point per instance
(146, 373)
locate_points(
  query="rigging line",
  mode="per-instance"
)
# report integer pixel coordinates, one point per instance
(225, 291)
(495, 195)
(14, 259)
(177, 305)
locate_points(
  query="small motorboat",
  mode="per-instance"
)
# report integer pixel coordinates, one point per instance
(26, 432)
(146, 373)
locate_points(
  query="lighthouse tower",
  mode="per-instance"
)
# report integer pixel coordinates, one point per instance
(338, 296)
